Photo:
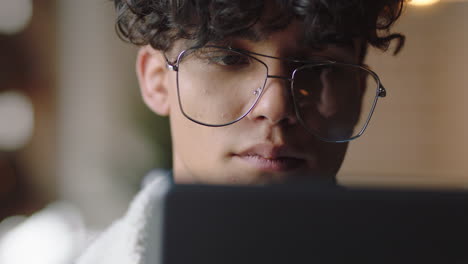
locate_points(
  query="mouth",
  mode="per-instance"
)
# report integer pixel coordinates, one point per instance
(270, 158)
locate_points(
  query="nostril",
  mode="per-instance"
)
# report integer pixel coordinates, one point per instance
(288, 120)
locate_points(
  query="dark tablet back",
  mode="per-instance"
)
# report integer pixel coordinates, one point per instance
(313, 224)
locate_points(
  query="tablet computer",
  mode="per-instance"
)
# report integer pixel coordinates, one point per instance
(313, 223)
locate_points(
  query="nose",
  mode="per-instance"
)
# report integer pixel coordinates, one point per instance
(275, 105)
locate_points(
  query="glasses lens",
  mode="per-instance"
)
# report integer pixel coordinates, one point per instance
(218, 86)
(334, 101)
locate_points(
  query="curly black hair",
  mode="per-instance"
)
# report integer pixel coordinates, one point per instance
(161, 22)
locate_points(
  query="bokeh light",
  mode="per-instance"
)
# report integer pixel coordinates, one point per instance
(15, 15)
(16, 120)
(423, 2)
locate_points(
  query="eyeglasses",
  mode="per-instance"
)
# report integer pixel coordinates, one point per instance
(218, 86)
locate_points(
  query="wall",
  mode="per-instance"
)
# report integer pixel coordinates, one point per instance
(418, 135)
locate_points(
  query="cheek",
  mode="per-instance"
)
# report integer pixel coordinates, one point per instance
(331, 156)
(193, 143)
(323, 157)
(198, 151)
(193, 138)
(188, 135)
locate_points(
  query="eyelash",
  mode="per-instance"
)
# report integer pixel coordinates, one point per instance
(220, 60)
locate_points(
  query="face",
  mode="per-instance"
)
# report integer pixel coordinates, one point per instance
(266, 146)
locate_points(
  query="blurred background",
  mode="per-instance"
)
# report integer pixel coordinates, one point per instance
(73, 127)
(418, 135)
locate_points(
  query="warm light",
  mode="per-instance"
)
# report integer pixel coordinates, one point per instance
(16, 120)
(423, 2)
(14, 15)
(303, 92)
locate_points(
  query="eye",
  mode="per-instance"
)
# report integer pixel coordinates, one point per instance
(229, 59)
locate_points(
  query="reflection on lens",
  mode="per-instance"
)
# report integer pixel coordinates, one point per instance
(334, 101)
(218, 86)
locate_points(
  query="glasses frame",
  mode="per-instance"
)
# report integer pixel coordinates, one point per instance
(379, 92)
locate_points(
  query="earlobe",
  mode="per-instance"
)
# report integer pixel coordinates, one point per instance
(152, 77)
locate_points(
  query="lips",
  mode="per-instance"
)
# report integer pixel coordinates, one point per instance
(267, 157)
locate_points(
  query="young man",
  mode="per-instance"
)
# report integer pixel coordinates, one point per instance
(256, 91)
(241, 84)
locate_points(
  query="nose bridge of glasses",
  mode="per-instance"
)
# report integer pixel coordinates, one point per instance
(276, 102)
(278, 68)
(279, 74)
(280, 77)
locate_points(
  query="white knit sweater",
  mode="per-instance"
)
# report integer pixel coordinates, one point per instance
(135, 238)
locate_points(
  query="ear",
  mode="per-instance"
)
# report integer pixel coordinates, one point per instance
(152, 77)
